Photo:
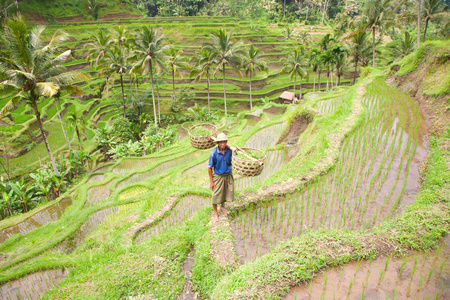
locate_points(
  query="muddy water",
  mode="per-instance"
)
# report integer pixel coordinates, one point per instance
(91, 223)
(160, 169)
(32, 286)
(274, 161)
(328, 106)
(273, 112)
(265, 137)
(98, 194)
(182, 211)
(39, 219)
(95, 178)
(188, 293)
(375, 177)
(133, 192)
(417, 276)
(128, 165)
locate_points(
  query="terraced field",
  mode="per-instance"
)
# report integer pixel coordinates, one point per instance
(342, 166)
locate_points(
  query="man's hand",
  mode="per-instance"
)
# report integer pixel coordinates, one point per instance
(212, 186)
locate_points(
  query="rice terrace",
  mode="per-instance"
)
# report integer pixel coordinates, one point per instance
(337, 113)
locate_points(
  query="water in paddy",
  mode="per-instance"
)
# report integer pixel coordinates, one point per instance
(39, 219)
(32, 286)
(328, 106)
(159, 169)
(91, 223)
(98, 194)
(188, 293)
(131, 164)
(265, 137)
(376, 174)
(416, 276)
(95, 178)
(185, 209)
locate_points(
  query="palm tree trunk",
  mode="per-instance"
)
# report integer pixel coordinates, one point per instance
(425, 30)
(418, 24)
(173, 86)
(320, 71)
(373, 46)
(207, 77)
(44, 136)
(66, 136)
(356, 70)
(123, 95)
(328, 75)
(131, 85)
(78, 136)
(251, 104)
(314, 85)
(159, 106)
(224, 93)
(324, 10)
(331, 79)
(153, 94)
(300, 93)
(295, 81)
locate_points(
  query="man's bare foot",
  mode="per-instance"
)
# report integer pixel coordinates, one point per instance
(216, 218)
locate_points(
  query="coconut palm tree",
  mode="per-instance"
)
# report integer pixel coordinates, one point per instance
(225, 53)
(327, 60)
(77, 123)
(375, 15)
(149, 52)
(315, 63)
(252, 62)
(404, 47)
(294, 65)
(203, 67)
(6, 8)
(174, 62)
(340, 59)
(434, 10)
(358, 47)
(34, 68)
(97, 50)
(117, 63)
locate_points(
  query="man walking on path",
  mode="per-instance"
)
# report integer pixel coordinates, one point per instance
(221, 179)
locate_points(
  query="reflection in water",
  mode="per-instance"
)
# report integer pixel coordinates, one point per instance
(39, 219)
(32, 286)
(417, 276)
(183, 210)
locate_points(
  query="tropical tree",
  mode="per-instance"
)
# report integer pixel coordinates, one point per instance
(403, 47)
(340, 59)
(77, 123)
(252, 62)
(225, 53)
(203, 67)
(34, 68)
(316, 64)
(294, 64)
(326, 42)
(327, 60)
(149, 51)
(117, 62)
(6, 7)
(377, 14)
(358, 47)
(174, 62)
(434, 10)
(94, 8)
(97, 50)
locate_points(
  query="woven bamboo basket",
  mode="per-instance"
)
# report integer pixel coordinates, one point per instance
(246, 165)
(203, 142)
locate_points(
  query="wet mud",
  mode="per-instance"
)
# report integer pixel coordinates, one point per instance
(416, 276)
(375, 178)
(265, 137)
(39, 219)
(188, 293)
(32, 286)
(182, 211)
(98, 194)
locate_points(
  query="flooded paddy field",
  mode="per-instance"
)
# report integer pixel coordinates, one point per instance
(415, 276)
(183, 210)
(376, 174)
(39, 219)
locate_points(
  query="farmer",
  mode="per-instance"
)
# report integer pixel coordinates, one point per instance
(221, 179)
